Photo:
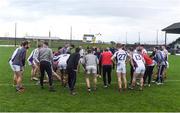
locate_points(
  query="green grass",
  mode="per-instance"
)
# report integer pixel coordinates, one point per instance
(156, 98)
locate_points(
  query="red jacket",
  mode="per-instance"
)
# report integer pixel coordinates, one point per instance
(147, 59)
(106, 58)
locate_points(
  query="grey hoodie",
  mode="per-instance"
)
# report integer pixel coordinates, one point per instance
(45, 54)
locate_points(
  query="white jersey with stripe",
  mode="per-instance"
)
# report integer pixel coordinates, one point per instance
(63, 58)
(31, 55)
(120, 56)
(138, 59)
(35, 55)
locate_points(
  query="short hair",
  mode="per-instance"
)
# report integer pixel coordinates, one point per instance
(77, 50)
(142, 45)
(46, 43)
(119, 45)
(157, 47)
(39, 45)
(24, 43)
(89, 51)
(107, 49)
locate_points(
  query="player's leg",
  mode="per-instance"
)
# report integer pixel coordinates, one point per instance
(159, 75)
(95, 81)
(104, 76)
(14, 79)
(124, 77)
(69, 79)
(146, 74)
(65, 78)
(32, 72)
(62, 75)
(49, 71)
(73, 80)
(141, 81)
(131, 74)
(56, 75)
(14, 74)
(94, 72)
(124, 80)
(150, 72)
(155, 74)
(142, 71)
(42, 71)
(109, 69)
(19, 87)
(36, 71)
(134, 80)
(162, 74)
(119, 81)
(18, 77)
(88, 83)
(100, 69)
(88, 72)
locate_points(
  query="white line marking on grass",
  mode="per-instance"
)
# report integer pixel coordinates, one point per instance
(7, 46)
(172, 80)
(82, 83)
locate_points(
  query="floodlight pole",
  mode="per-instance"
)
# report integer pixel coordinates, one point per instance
(50, 38)
(71, 35)
(15, 33)
(165, 38)
(157, 38)
(126, 38)
(139, 35)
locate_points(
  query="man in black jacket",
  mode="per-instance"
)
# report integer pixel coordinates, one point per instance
(72, 64)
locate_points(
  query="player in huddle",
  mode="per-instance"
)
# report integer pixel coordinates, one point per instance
(138, 64)
(121, 56)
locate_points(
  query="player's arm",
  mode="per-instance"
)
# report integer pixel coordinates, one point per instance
(77, 62)
(131, 61)
(23, 58)
(143, 60)
(35, 56)
(113, 58)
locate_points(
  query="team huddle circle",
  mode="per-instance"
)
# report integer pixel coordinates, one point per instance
(64, 64)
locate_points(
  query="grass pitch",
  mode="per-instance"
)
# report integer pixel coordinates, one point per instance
(155, 98)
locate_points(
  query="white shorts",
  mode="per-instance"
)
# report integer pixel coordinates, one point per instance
(14, 67)
(62, 66)
(140, 70)
(121, 68)
(91, 69)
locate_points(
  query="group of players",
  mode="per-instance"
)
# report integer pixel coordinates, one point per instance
(64, 64)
